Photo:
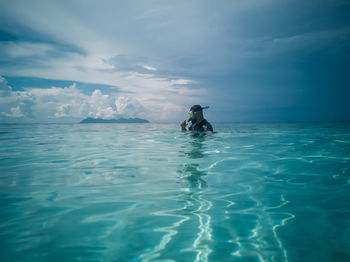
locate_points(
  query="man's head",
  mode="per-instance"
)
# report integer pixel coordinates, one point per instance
(196, 108)
(196, 113)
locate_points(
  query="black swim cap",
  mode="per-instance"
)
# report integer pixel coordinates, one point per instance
(196, 108)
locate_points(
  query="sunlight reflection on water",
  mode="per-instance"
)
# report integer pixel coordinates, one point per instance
(152, 193)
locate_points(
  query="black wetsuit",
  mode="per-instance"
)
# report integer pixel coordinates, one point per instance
(202, 126)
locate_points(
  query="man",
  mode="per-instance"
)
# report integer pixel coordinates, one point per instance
(198, 122)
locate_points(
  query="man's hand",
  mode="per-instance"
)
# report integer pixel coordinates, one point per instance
(183, 125)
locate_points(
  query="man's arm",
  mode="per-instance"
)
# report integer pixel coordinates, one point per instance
(183, 126)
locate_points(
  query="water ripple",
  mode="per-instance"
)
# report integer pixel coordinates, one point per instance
(112, 193)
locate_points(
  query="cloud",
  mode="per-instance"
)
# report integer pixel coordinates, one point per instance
(128, 63)
(128, 106)
(16, 50)
(170, 55)
(71, 104)
(5, 89)
(63, 110)
(132, 76)
(150, 68)
(15, 112)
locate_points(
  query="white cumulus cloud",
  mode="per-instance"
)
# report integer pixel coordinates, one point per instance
(15, 112)
(150, 68)
(71, 104)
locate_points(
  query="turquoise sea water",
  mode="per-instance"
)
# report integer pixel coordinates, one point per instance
(149, 192)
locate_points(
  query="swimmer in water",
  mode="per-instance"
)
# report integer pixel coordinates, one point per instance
(198, 122)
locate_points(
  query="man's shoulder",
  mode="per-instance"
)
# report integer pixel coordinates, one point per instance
(206, 122)
(209, 126)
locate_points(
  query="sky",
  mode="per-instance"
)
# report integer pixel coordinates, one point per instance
(248, 60)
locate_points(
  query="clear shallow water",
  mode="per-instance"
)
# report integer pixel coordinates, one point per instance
(114, 192)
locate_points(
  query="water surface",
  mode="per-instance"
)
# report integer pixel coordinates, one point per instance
(149, 192)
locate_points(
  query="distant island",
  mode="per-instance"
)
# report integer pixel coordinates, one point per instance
(120, 120)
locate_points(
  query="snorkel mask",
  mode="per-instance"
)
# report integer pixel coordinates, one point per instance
(197, 109)
(190, 114)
